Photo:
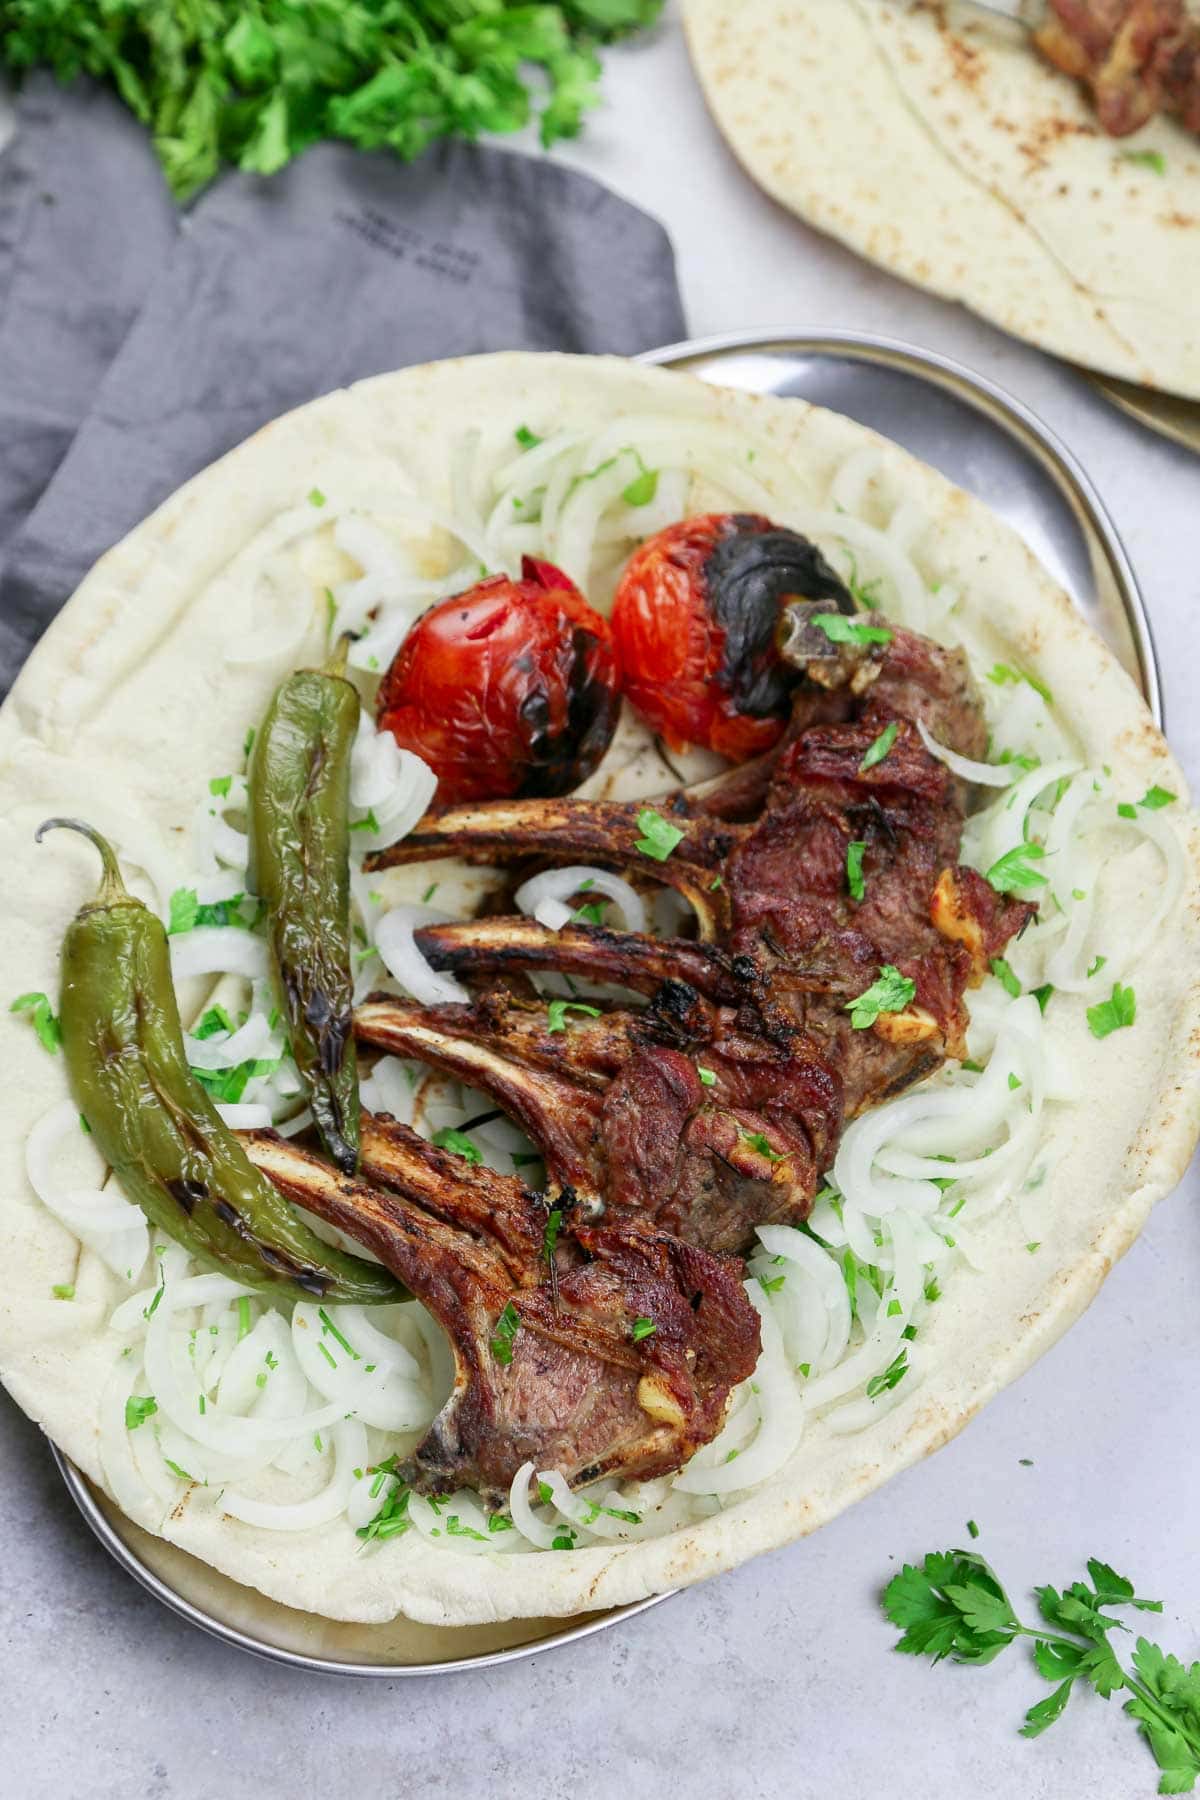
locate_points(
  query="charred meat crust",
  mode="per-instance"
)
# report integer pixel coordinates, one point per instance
(573, 1390)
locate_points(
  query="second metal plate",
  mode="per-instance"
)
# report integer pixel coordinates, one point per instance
(991, 445)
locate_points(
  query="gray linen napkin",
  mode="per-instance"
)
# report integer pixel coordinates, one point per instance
(274, 291)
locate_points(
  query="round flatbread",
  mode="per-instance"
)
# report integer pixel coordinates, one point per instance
(129, 700)
(935, 140)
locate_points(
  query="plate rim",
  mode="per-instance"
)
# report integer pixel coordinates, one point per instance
(990, 399)
(1022, 423)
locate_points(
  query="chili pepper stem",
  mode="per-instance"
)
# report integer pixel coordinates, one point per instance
(112, 888)
(336, 664)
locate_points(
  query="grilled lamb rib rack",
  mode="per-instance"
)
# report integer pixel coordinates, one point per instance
(761, 1001)
(569, 1386)
(653, 1165)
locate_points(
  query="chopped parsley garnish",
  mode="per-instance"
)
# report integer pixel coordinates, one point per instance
(430, 891)
(565, 1540)
(771, 1284)
(973, 1528)
(330, 611)
(1157, 797)
(328, 1325)
(892, 1376)
(952, 1604)
(392, 1518)
(214, 1020)
(220, 786)
(841, 630)
(757, 1141)
(1012, 871)
(1126, 811)
(248, 742)
(545, 1493)
(187, 912)
(1036, 1245)
(891, 993)
(715, 883)
(854, 869)
(1145, 159)
(707, 1078)
(370, 823)
(506, 1329)
(498, 1522)
(1014, 1082)
(550, 1234)
(315, 497)
(591, 914)
(42, 1018)
(181, 1473)
(449, 1139)
(1113, 1014)
(1004, 975)
(243, 1313)
(641, 489)
(225, 1087)
(63, 1290)
(1096, 966)
(659, 837)
(1042, 995)
(456, 1528)
(556, 1013)
(642, 1328)
(879, 749)
(138, 1408)
(528, 440)
(1002, 673)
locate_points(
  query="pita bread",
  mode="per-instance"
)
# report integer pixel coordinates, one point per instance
(934, 140)
(128, 702)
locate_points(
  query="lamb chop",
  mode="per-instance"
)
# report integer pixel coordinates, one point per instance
(764, 1001)
(595, 1350)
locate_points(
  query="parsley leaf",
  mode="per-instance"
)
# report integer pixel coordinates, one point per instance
(138, 1408)
(550, 1234)
(505, 1330)
(643, 1328)
(952, 1604)
(641, 489)
(1004, 975)
(253, 85)
(42, 1017)
(659, 837)
(528, 440)
(449, 1139)
(1010, 873)
(1113, 1014)
(891, 993)
(707, 1078)
(556, 1013)
(854, 869)
(1145, 159)
(879, 749)
(1157, 797)
(758, 1141)
(841, 630)
(1003, 673)
(891, 1377)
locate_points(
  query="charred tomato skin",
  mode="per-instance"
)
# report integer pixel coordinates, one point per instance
(695, 621)
(508, 690)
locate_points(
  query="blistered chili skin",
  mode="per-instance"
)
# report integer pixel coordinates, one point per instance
(695, 621)
(156, 1127)
(507, 691)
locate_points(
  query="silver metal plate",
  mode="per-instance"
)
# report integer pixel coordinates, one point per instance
(989, 444)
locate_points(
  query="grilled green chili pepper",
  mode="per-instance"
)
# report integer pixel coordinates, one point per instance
(153, 1122)
(300, 866)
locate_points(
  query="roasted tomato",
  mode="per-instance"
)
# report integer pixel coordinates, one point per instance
(509, 689)
(694, 622)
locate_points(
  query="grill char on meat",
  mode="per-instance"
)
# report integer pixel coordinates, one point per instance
(578, 1393)
(761, 1001)
(656, 1168)
(1138, 58)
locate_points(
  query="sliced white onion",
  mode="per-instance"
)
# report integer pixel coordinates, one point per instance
(985, 774)
(218, 950)
(558, 885)
(527, 1522)
(780, 1413)
(111, 1226)
(350, 1452)
(397, 946)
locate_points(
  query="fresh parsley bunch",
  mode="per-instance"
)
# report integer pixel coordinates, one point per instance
(953, 1605)
(254, 82)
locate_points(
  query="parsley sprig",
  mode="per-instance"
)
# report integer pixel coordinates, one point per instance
(952, 1604)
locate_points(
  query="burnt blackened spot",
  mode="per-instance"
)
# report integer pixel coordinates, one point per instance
(560, 760)
(743, 968)
(748, 575)
(187, 1193)
(313, 1281)
(697, 1301)
(229, 1215)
